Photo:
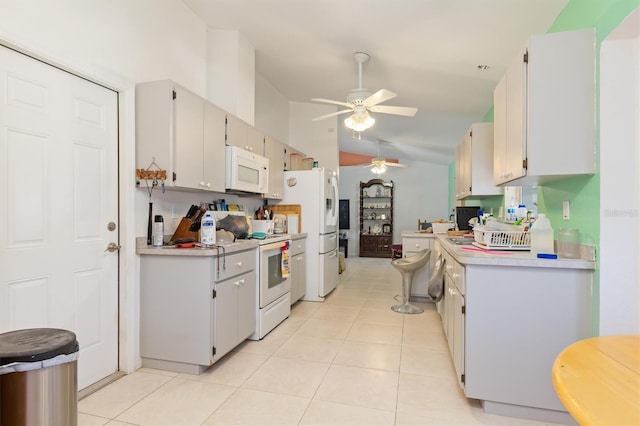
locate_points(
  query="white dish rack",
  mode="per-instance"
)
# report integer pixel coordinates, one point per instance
(498, 239)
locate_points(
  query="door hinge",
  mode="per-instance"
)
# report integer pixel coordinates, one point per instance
(213, 351)
(462, 378)
(213, 294)
(173, 94)
(525, 57)
(525, 163)
(471, 134)
(463, 309)
(175, 177)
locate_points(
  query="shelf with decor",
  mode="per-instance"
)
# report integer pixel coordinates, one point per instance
(376, 218)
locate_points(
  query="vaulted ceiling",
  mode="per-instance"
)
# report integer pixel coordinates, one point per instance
(426, 51)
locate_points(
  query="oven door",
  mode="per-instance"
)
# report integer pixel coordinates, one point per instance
(272, 282)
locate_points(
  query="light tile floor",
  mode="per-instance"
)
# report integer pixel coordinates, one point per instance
(347, 361)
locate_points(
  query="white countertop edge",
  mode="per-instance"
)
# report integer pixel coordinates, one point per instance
(415, 234)
(240, 245)
(515, 258)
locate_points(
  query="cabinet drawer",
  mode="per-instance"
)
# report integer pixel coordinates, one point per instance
(297, 247)
(234, 264)
(415, 244)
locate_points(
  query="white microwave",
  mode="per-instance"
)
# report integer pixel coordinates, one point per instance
(246, 171)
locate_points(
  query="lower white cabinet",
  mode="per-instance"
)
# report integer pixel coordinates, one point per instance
(195, 309)
(298, 262)
(234, 312)
(505, 325)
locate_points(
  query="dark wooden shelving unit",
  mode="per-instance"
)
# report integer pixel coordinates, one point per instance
(376, 218)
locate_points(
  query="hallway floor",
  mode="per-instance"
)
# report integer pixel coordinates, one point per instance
(349, 360)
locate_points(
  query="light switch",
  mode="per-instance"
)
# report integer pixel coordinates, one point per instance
(565, 210)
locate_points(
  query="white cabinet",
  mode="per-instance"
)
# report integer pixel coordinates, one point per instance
(274, 150)
(544, 111)
(412, 246)
(298, 261)
(234, 312)
(182, 132)
(474, 163)
(505, 325)
(243, 135)
(193, 310)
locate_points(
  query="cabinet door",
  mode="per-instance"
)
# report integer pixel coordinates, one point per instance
(236, 132)
(274, 151)
(457, 337)
(255, 140)
(225, 317)
(247, 304)
(213, 151)
(500, 131)
(189, 125)
(516, 130)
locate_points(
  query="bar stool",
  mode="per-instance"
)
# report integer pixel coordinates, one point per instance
(407, 266)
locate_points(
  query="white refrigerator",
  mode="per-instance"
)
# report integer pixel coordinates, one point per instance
(316, 191)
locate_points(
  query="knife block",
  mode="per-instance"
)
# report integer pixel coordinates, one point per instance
(182, 231)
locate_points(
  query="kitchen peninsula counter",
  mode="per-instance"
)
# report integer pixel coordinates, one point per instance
(472, 255)
(506, 316)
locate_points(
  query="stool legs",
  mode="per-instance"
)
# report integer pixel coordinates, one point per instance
(406, 307)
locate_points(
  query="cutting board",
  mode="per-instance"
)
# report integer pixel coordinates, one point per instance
(286, 209)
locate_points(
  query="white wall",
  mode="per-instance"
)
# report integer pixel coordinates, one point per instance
(420, 192)
(619, 173)
(272, 111)
(317, 139)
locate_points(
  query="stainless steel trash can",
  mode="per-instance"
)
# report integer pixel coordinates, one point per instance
(38, 377)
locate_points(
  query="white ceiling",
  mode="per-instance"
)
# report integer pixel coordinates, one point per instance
(426, 51)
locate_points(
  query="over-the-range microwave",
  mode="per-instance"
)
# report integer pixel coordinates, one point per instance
(246, 171)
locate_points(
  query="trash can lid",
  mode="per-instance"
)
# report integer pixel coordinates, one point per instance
(36, 344)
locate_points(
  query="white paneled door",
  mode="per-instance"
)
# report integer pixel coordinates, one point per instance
(59, 208)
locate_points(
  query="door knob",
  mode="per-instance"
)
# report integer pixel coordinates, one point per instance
(111, 247)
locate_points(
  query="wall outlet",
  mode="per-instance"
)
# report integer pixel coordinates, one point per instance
(566, 215)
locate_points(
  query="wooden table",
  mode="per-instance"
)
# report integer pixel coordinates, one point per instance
(598, 380)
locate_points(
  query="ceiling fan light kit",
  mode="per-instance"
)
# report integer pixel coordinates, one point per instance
(360, 102)
(359, 121)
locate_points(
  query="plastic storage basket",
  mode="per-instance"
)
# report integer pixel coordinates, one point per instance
(513, 240)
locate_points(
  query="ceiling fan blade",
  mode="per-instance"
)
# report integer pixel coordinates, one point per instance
(322, 117)
(386, 109)
(379, 97)
(394, 164)
(331, 101)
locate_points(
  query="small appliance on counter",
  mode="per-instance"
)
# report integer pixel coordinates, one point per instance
(464, 214)
(279, 223)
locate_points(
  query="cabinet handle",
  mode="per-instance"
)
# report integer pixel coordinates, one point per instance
(201, 183)
(236, 283)
(239, 265)
(208, 185)
(417, 246)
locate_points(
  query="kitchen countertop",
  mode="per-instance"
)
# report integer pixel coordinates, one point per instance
(467, 255)
(416, 234)
(239, 245)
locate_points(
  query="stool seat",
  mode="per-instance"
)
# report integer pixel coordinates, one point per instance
(407, 266)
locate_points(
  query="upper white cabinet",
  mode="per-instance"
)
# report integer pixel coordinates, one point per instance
(544, 111)
(474, 163)
(182, 132)
(243, 135)
(275, 150)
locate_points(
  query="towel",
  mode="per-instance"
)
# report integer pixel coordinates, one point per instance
(436, 282)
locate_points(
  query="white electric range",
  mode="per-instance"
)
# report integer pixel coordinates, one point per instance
(274, 286)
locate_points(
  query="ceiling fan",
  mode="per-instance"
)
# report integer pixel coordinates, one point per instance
(360, 102)
(379, 165)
